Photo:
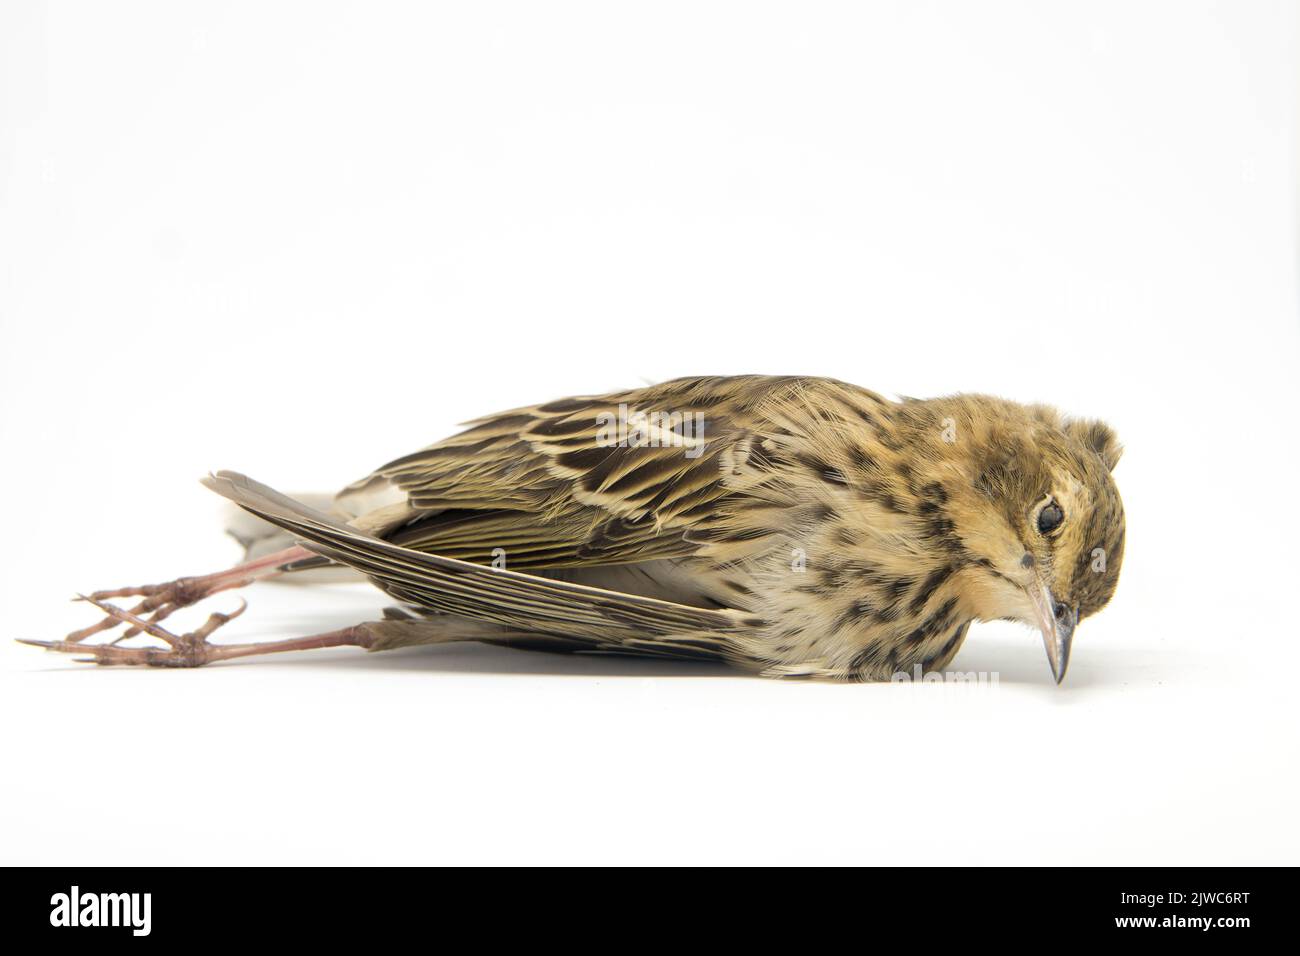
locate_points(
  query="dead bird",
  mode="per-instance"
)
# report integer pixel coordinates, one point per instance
(791, 526)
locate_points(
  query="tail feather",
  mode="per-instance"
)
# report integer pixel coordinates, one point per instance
(260, 538)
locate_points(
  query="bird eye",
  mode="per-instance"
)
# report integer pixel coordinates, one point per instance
(1050, 518)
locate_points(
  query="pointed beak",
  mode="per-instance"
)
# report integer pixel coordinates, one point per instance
(1056, 620)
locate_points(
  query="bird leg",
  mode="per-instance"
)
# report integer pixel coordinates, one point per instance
(193, 649)
(159, 601)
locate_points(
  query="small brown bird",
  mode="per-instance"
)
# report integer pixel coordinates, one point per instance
(790, 526)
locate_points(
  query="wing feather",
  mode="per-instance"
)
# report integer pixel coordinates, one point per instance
(604, 619)
(565, 485)
(545, 483)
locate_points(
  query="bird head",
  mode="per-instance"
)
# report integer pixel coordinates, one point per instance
(923, 515)
(1046, 521)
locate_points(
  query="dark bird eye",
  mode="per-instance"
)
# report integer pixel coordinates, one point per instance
(1050, 518)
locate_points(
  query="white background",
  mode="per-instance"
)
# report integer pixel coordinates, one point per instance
(301, 239)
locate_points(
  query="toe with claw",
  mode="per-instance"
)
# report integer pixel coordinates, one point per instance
(183, 650)
(159, 602)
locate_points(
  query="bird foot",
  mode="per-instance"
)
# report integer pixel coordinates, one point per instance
(159, 601)
(183, 650)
